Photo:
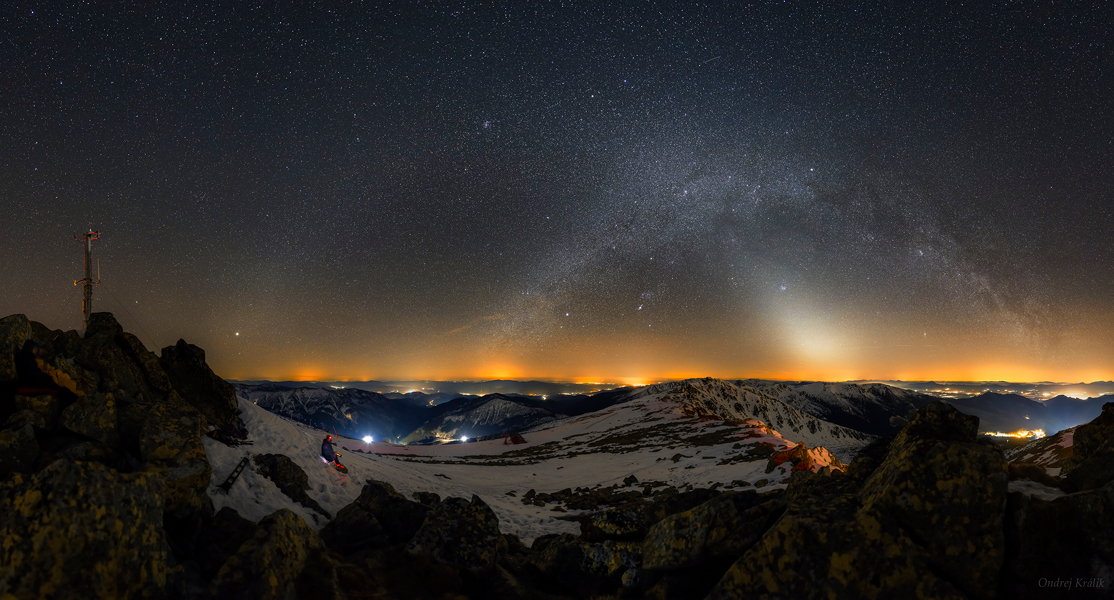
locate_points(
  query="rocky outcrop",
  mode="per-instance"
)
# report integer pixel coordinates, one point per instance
(1092, 461)
(289, 477)
(462, 534)
(184, 365)
(726, 525)
(93, 417)
(82, 530)
(18, 447)
(378, 517)
(268, 565)
(588, 569)
(15, 330)
(1068, 539)
(927, 522)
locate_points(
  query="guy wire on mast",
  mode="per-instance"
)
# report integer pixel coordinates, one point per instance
(87, 303)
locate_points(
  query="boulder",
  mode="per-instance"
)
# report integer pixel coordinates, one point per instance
(47, 405)
(146, 360)
(221, 537)
(102, 323)
(18, 449)
(166, 428)
(42, 334)
(1092, 463)
(1068, 539)
(726, 525)
(354, 529)
(118, 371)
(187, 478)
(289, 477)
(82, 530)
(633, 519)
(826, 546)
(948, 492)
(588, 569)
(462, 534)
(15, 330)
(429, 499)
(927, 522)
(86, 450)
(24, 417)
(93, 417)
(67, 345)
(268, 565)
(184, 364)
(399, 517)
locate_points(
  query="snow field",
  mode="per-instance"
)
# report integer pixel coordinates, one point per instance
(641, 438)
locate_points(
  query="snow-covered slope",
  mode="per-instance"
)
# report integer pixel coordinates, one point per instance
(738, 401)
(661, 437)
(872, 408)
(1050, 452)
(476, 417)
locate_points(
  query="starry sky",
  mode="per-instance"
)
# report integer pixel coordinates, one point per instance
(561, 190)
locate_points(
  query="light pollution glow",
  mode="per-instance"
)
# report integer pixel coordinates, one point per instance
(590, 359)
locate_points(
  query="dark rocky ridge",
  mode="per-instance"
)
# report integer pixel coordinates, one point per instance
(103, 479)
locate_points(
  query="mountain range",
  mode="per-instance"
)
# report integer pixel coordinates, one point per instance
(799, 409)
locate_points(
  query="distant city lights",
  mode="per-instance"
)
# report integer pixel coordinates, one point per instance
(1035, 433)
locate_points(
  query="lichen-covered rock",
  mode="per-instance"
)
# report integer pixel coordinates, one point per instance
(187, 477)
(1092, 464)
(24, 417)
(632, 519)
(268, 565)
(462, 534)
(15, 330)
(589, 569)
(949, 493)
(18, 449)
(92, 451)
(825, 546)
(82, 530)
(927, 523)
(184, 364)
(167, 426)
(93, 417)
(289, 477)
(118, 371)
(46, 405)
(1070, 538)
(166, 436)
(726, 525)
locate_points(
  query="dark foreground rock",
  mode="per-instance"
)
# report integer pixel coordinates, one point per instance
(927, 522)
(82, 530)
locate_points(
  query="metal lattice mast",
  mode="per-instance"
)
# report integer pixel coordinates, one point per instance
(87, 303)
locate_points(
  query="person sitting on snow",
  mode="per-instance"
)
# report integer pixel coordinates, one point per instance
(327, 449)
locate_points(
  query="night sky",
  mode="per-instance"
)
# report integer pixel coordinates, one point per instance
(789, 190)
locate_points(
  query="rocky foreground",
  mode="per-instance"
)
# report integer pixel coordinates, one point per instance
(103, 482)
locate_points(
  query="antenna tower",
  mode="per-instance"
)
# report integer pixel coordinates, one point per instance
(87, 242)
